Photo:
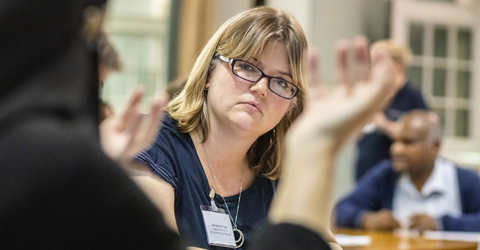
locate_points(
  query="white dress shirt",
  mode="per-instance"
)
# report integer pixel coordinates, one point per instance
(439, 196)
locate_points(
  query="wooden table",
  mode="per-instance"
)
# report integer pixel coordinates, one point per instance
(388, 241)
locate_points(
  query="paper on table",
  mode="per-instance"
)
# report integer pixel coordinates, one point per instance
(455, 236)
(353, 240)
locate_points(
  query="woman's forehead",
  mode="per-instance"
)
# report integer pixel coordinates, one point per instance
(270, 48)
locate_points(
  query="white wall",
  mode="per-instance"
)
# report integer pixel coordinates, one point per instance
(224, 9)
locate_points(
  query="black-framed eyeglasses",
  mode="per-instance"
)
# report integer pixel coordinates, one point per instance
(251, 73)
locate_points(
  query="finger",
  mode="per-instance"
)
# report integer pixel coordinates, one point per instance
(413, 226)
(396, 224)
(362, 57)
(134, 126)
(415, 221)
(415, 218)
(156, 115)
(129, 116)
(422, 224)
(149, 125)
(313, 77)
(342, 63)
(428, 222)
(382, 78)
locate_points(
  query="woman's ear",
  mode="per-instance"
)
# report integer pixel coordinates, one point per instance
(211, 68)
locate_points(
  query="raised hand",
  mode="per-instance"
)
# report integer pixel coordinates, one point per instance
(353, 101)
(124, 135)
(314, 139)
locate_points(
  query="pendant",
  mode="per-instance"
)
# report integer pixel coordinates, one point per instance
(240, 239)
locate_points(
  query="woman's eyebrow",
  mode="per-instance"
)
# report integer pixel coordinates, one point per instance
(286, 74)
(259, 64)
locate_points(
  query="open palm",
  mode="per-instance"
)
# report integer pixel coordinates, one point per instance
(122, 136)
(337, 116)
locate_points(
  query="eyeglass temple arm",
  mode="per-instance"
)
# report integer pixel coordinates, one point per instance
(226, 59)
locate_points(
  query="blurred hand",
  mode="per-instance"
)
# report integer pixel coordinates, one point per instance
(379, 119)
(382, 220)
(124, 135)
(384, 124)
(351, 104)
(423, 222)
(314, 139)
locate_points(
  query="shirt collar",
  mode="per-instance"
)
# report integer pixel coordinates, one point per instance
(434, 183)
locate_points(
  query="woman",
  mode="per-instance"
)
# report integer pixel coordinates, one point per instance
(224, 133)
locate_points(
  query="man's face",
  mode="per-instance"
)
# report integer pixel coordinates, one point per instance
(411, 151)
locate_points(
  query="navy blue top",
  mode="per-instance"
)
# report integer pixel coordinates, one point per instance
(376, 189)
(173, 157)
(375, 147)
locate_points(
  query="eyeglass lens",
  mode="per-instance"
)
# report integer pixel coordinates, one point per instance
(251, 73)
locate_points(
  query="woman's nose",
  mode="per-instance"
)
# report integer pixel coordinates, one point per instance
(261, 87)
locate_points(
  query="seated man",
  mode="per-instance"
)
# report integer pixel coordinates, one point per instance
(415, 189)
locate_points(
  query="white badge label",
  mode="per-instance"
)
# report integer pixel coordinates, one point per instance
(219, 228)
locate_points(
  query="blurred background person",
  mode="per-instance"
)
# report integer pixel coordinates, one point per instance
(415, 189)
(104, 110)
(374, 145)
(108, 58)
(108, 62)
(58, 189)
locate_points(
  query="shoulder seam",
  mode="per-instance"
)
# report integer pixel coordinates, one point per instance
(157, 169)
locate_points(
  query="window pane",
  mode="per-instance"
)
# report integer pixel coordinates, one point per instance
(441, 115)
(140, 55)
(147, 79)
(116, 86)
(463, 84)
(415, 77)
(462, 121)
(464, 44)
(440, 49)
(439, 82)
(416, 38)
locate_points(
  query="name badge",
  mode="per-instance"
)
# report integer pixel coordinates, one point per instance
(218, 226)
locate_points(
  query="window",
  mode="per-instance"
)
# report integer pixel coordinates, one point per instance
(445, 53)
(442, 38)
(138, 30)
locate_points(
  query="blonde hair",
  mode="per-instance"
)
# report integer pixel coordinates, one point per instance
(399, 53)
(245, 36)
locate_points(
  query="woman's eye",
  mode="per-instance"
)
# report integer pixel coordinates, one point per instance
(281, 83)
(247, 67)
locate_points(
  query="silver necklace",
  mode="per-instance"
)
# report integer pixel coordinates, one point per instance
(241, 238)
